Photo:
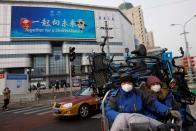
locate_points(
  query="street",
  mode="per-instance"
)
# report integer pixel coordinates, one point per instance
(99, 60)
(39, 118)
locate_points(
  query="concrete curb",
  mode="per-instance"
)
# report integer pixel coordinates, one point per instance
(30, 99)
(45, 95)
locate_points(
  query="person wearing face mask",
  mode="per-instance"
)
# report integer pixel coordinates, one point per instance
(125, 106)
(153, 87)
(163, 94)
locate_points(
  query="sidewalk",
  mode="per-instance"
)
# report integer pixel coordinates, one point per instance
(47, 97)
(192, 87)
(193, 110)
(14, 105)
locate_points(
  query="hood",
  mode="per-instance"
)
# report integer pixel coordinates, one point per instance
(152, 80)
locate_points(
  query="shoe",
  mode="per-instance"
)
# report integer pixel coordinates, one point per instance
(6, 109)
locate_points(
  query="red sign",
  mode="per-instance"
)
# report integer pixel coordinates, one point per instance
(1, 76)
(192, 61)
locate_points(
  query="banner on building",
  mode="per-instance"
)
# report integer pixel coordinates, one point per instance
(43, 22)
(2, 75)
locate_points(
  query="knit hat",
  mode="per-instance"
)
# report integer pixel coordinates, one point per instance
(153, 80)
(125, 77)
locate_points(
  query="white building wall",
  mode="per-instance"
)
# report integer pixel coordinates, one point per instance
(5, 22)
(122, 32)
(92, 48)
(2, 83)
(25, 49)
(127, 34)
(113, 16)
(14, 62)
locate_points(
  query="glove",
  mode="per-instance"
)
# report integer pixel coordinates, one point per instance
(176, 114)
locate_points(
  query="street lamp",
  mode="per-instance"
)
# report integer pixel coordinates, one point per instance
(187, 46)
(29, 71)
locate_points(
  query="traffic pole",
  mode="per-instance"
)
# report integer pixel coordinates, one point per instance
(70, 77)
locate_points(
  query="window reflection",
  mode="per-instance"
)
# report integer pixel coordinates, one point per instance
(57, 61)
(39, 66)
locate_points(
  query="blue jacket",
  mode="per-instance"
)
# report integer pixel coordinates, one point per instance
(132, 102)
(169, 102)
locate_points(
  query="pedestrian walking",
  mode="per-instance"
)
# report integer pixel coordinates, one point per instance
(6, 94)
(65, 84)
(57, 85)
(37, 95)
(38, 84)
(30, 89)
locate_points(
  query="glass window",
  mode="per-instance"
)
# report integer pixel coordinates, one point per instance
(39, 66)
(84, 92)
(87, 92)
(14, 56)
(57, 61)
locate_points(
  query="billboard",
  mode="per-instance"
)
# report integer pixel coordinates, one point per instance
(43, 22)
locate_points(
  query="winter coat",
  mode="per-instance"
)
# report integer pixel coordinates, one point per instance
(6, 93)
(132, 102)
(165, 97)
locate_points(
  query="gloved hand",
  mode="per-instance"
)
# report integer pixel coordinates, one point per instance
(176, 114)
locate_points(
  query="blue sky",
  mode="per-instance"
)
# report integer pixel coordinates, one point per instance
(158, 16)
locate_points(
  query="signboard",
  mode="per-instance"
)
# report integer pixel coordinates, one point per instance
(16, 77)
(2, 75)
(43, 22)
(18, 83)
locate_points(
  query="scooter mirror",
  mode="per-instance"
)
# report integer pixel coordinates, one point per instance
(181, 51)
(172, 84)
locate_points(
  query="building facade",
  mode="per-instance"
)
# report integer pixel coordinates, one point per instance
(135, 15)
(150, 40)
(35, 36)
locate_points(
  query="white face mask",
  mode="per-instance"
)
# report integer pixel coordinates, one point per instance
(127, 87)
(155, 88)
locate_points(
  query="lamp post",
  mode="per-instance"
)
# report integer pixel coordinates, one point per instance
(189, 72)
(29, 71)
(107, 37)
